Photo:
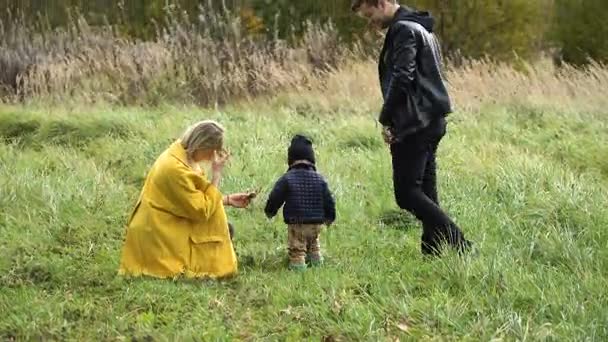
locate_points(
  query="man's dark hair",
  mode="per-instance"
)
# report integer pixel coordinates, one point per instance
(355, 4)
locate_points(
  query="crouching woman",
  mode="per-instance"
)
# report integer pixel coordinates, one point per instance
(178, 226)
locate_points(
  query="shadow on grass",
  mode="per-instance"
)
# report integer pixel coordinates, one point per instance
(397, 219)
(38, 131)
(274, 261)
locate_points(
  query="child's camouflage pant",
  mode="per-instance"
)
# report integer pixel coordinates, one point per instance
(303, 240)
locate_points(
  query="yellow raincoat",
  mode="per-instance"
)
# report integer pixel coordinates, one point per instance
(179, 225)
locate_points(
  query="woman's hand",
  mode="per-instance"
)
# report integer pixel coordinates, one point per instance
(239, 200)
(217, 165)
(219, 161)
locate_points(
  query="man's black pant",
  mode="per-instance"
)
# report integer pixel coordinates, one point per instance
(415, 183)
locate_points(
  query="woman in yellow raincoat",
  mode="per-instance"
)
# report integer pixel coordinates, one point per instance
(179, 225)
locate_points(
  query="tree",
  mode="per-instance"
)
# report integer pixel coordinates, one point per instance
(495, 28)
(580, 30)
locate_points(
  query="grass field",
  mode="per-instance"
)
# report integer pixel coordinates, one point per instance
(528, 182)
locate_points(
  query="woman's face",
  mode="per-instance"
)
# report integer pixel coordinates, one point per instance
(203, 155)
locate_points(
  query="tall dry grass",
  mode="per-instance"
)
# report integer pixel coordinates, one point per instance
(207, 61)
(215, 59)
(476, 83)
(473, 85)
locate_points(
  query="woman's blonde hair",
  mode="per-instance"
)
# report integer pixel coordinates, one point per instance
(206, 134)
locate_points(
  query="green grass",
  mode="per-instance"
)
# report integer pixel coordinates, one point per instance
(528, 185)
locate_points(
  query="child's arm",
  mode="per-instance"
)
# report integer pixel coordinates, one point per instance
(276, 198)
(329, 205)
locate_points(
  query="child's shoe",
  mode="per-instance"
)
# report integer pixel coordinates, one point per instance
(314, 261)
(297, 267)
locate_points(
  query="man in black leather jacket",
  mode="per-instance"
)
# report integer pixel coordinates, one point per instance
(416, 102)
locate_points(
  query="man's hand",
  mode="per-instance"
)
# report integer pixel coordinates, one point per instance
(387, 135)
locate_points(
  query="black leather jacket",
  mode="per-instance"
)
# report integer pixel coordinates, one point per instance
(410, 74)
